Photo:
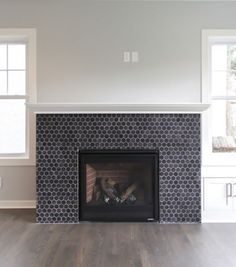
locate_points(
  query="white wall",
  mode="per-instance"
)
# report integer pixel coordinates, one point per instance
(18, 183)
(80, 46)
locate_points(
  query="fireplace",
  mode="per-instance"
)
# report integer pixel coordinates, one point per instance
(175, 136)
(118, 185)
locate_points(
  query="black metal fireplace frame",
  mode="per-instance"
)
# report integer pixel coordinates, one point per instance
(102, 211)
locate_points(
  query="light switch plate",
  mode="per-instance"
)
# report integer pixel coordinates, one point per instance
(126, 57)
(135, 57)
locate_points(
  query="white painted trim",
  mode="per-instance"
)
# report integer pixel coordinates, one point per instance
(215, 35)
(117, 108)
(13, 97)
(27, 35)
(219, 171)
(224, 98)
(218, 216)
(17, 204)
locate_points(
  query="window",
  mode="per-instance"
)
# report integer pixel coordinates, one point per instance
(219, 88)
(223, 85)
(17, 87)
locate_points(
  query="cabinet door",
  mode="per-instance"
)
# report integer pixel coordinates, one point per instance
(218, 194)
(234, 193)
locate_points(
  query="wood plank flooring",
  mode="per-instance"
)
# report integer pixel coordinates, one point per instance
(26, 244)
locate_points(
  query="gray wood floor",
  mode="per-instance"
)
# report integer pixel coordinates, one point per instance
(25, 244)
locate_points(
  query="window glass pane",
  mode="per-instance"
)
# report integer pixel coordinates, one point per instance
(3, 82)
(3, 57)
(231, 83)
(219, 82)
(219, 57)
(12, 126)
(232, 55)
(16, 56)
(219, 69)
(223, 126)
(223, 76)
(16, 82)
(232, 72)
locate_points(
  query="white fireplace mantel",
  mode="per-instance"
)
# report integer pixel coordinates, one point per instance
(44, 108)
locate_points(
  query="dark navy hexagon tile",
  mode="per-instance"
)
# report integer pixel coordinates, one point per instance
(59, 136)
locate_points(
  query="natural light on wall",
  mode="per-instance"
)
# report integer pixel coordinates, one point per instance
(223, 85)
(13, 73)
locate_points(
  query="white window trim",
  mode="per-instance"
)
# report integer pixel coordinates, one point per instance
(208, 157)
(29, 35)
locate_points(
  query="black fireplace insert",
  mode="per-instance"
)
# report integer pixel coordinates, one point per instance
(118, 185)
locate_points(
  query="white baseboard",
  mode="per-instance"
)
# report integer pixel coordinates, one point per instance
(17, 204)
(219, 216)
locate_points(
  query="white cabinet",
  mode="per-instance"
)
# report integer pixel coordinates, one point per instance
(219, 200)
(217, 193)
(234, 193)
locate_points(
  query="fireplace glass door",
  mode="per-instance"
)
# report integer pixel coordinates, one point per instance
(118, 186)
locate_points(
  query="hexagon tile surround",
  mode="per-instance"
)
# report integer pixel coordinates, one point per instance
(59, 136)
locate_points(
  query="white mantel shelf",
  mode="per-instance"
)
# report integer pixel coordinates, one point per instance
(44, 108)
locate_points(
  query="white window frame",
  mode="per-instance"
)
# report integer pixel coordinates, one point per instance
(27, 35)
(209, 158)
